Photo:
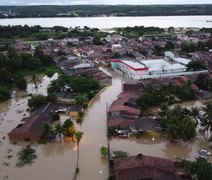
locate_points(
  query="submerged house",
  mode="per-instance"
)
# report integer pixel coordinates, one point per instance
(147, 124)
(148, 167)
(120, 110)
(33, 126)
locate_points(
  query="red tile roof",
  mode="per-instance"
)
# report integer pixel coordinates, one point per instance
(143, 167)
(124, 110)
(120, 122)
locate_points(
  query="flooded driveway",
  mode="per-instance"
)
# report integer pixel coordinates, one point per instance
(57, 160)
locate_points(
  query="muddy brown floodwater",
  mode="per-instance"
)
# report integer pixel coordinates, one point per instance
(57, 160)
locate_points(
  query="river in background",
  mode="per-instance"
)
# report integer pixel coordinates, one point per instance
(110, 22)
(57, 160)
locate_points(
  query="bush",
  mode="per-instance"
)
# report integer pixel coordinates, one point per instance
(26, 156)
(55, 117)
(21, 84)
(120, 154)
(103, 150)
(36, 101)
(84, 84)
(79, 120)
(97, 41)
(4, 94)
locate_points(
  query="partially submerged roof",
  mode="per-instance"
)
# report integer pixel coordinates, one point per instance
(125, 110)
(147, 124)
(144, 167)
(121, 123)
(34, 124)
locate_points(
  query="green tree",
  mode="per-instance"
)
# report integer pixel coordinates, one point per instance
(185, 47)
(5, 77)
(36, 101)
(11, 53)
(204, 81)
(4, 93)
(116, 55)
(158, 50)
(3, 60)
(97, 40)
(30, 62)
(81, 99)
(195, 113)
(195, 65)
(47, 132)
(203, 170)
(45, 59)
(78, 136)
(55, 117)
(171, 30)
(84, 84)
(103, 151)
(164, 109)
(59, 130)
(21, 84)
(15, 63)
(178, 125)
(169, 45)
(69, 129)
(206, 119)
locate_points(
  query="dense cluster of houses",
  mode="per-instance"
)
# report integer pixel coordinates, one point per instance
(135, 58)
(125, 116)
(75, 64)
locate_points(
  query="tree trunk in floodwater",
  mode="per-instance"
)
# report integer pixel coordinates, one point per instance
(77, 165)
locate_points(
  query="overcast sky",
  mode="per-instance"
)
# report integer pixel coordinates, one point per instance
(74, 2)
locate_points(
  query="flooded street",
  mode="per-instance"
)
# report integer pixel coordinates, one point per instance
(58, 160)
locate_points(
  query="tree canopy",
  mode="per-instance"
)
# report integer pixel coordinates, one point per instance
(178, 124)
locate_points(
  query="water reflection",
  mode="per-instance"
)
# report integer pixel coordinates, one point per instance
(177, 150)
(58, 148)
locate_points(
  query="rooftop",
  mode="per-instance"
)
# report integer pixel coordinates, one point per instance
(182, 60)
(147, 124)
(160, 64)
(34, 124)
(124, 109)
(121, 122)
(131, 64)
(144, 167)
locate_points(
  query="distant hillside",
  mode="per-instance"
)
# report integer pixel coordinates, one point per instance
(103, 10)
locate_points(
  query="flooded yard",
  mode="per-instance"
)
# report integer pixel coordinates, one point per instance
(57, 160)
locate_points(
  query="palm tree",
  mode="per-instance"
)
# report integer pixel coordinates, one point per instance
(34, 80)
(59, 129)
(78, 136)
(206, 120)
(47, 132)
(195, 113)
(164, 109)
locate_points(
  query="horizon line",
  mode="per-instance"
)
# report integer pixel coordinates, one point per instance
(102, 4)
